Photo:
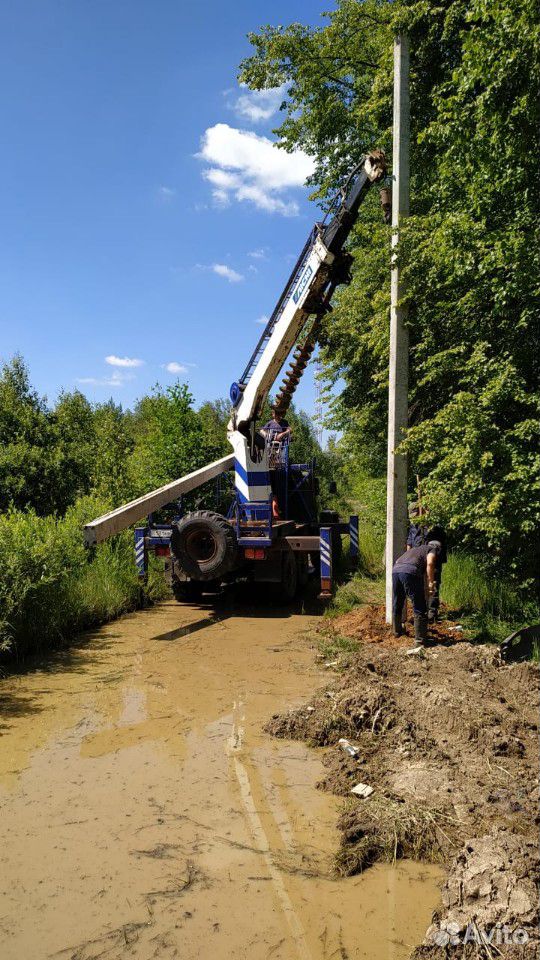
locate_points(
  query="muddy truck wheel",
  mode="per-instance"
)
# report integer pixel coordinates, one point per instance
(302, 571)
(204, 544)
(285, 591)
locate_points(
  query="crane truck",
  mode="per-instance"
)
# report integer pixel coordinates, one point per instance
(273, 531)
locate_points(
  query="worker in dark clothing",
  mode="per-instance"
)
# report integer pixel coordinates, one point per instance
(277, 428)
(418, 531)
(408, 580)
(419, 534)
(437, 533)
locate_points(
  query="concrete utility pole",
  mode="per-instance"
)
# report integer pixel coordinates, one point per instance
(396, 495)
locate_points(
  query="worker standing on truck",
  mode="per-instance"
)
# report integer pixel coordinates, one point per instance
(408, 580)
(277, 429)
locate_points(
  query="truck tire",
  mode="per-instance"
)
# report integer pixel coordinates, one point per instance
(302, 569)
(290, 577)
(204, 544)
(285, 591)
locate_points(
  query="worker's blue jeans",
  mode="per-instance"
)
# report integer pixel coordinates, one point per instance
(409, 585)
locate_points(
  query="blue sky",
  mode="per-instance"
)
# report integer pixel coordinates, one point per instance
(147, 224)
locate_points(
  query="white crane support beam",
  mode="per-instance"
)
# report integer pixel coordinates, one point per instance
(123, 517)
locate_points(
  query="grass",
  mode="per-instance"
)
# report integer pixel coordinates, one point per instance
(108, 588)
(353, 593)
(466, 586)
(333, 645)
(366, 583)
(488, 607)
(386, 830)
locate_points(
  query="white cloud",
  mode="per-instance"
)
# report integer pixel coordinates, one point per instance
(228, 273)
(259, 254)
(245, 166)
(262, 320)
(123, 361)
(259, 105)
(174, 367)
(222, 183)
(221, 179)
(166, 193)
(233, 149)
(117, 379)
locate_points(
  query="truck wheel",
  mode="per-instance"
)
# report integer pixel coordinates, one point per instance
(302, 568)
(290, 577)
(285, 591)
(187, 591)
(204, 544)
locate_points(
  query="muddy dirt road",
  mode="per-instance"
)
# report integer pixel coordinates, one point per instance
(145, 813)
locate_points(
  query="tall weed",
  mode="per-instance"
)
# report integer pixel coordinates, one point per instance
(467, 587)
(51, 587)
(490, 608)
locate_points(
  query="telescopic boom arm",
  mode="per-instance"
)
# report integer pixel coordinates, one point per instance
(322, 265)
(319, 266)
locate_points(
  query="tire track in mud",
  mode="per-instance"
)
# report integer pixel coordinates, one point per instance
(146, 814)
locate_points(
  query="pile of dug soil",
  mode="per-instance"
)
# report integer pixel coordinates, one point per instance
(448, 741)
(367, 625)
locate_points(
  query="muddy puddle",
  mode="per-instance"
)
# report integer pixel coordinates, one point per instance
(145, 814)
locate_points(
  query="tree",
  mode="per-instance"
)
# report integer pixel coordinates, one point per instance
(112, 447)
(171, 438)
(214, 416)
(27, 469)
(73, 440)
(470, 251)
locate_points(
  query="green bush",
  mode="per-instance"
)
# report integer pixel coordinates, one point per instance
(51, 587)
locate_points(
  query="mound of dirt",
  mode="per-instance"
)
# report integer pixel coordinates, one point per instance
(367, 625)
(448, 741)
(502, 871)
